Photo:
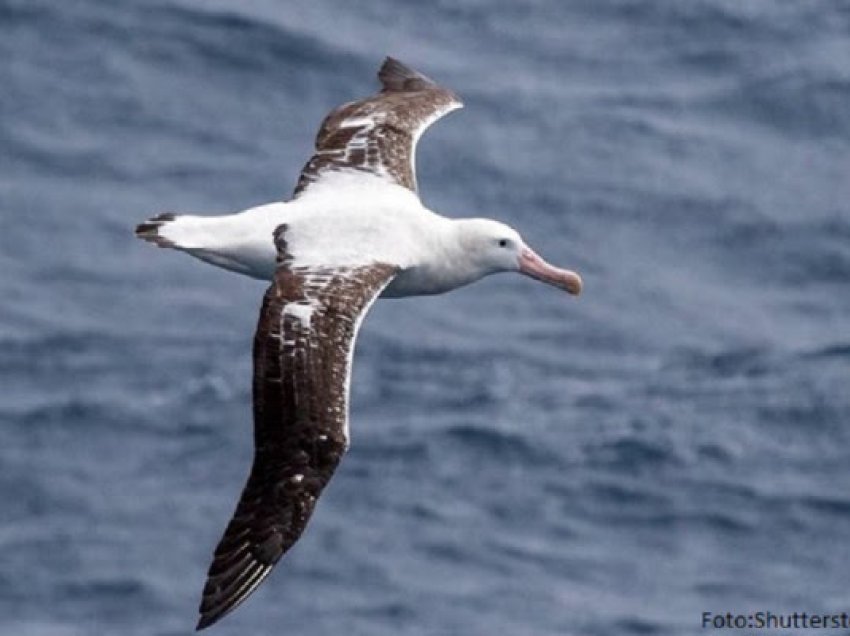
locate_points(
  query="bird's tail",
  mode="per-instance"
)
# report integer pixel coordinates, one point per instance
(156, 230)
(218, 240)
(185, 232)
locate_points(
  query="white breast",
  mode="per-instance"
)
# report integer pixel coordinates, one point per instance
(360, 221)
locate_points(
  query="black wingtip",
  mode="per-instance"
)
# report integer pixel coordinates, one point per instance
(211, 615)
(398, 76)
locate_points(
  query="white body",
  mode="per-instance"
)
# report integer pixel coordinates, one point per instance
(347, 219)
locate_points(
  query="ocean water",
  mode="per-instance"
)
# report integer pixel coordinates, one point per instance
(675, 441)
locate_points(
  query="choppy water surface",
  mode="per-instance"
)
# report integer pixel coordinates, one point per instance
(675, 441)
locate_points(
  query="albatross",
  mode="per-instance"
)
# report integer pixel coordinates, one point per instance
(354, 230)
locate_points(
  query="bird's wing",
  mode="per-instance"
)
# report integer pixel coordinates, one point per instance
(378, 135)
(302, 357)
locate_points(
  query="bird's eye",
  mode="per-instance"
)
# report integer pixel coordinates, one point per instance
(503, 242)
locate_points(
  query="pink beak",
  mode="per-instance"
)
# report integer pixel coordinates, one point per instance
(532, 265)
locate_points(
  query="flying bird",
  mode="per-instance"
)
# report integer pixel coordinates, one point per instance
(355, 229)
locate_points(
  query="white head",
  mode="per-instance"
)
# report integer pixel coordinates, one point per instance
(490, 247)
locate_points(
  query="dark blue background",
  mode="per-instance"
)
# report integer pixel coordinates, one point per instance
(675, 441)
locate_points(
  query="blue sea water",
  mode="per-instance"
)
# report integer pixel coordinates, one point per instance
(675, 441)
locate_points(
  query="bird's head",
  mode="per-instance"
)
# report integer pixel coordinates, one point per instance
(493, 247)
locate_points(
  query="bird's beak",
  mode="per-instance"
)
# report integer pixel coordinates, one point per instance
(532, 265)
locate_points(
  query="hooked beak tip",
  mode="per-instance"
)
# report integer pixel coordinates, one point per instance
(573, 283)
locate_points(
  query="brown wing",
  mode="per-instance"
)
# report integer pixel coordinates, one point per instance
(302, 351)
(378, 135)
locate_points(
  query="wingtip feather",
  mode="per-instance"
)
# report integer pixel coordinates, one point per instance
(395, 75)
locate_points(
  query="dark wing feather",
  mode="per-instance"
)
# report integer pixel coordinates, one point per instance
(378, 135)
(302, 347)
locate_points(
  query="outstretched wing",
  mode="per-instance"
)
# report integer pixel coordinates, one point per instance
(378, 135)
(302, 355)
